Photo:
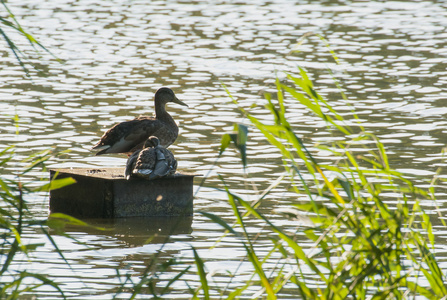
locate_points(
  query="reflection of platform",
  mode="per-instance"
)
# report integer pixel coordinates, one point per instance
(136, 231)
(105, 193)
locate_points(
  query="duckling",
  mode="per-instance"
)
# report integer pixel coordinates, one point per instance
(127, 137)
(152, 162)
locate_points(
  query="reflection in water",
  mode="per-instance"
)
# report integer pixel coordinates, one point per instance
(393, 67)
(137, 231)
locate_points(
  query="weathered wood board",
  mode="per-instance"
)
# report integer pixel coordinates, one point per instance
(105, 193)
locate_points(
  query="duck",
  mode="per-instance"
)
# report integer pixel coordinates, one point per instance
(152, 162)
(130, 136)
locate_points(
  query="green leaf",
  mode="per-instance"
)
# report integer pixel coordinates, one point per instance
(55, 184)
(299, 252)
(174, 280)
(421, 290)
(219, 221)
(426, 224)
(59, 220)
(239, 139)
(44, 280)
(202, 274)
(260, 272)
(242, 134)
(224, 143)
(346, 185)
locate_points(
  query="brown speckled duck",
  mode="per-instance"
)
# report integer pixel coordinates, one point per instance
(154, 161)
(127, 137)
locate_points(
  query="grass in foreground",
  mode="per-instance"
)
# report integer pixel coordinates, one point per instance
(362, 247)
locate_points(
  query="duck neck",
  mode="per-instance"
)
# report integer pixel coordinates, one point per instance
(162, 114)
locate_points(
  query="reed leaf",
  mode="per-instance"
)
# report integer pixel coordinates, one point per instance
(55, 184)
(202, 274)
(174, 280)
(219, 221)
(370, 238)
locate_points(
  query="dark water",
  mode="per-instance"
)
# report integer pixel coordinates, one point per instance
(393, 60)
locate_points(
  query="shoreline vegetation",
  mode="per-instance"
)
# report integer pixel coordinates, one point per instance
(362, 247)
(10, 25)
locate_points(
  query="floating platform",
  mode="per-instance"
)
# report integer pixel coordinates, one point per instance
(105, 193)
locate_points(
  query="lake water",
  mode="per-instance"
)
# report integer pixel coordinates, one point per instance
(393, 59)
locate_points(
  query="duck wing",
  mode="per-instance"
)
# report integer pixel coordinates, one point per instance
(165, 163)
(170, 160)
(127, 136)
(161, 167)
(145, 163)
(130, 164)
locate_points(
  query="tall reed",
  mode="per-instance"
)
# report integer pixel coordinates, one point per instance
(362, 246)
(16, 219)
(10, 25)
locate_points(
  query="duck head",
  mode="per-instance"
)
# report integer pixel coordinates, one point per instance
(166, 95)
(152, 142)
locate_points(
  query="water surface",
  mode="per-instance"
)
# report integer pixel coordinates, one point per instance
(393, 60)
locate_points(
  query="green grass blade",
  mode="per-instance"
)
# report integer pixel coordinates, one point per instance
(218, 220)
(202, 274)
(55, 184)
(44, 280)
(260, 272)
(224, 143)
(299, 252)
(174, 280)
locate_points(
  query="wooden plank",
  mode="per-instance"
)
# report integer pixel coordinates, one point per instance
(105, 193)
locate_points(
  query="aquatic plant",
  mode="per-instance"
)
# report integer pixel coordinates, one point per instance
(11, 23)
(363, 247)
(15, 219)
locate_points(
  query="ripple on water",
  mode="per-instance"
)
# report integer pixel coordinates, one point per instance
(393, 63)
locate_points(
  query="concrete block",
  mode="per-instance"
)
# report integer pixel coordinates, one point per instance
(105, 193)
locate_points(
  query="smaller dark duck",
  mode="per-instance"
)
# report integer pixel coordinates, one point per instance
(153, 161)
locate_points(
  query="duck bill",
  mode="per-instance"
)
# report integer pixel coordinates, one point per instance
(176, 100)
